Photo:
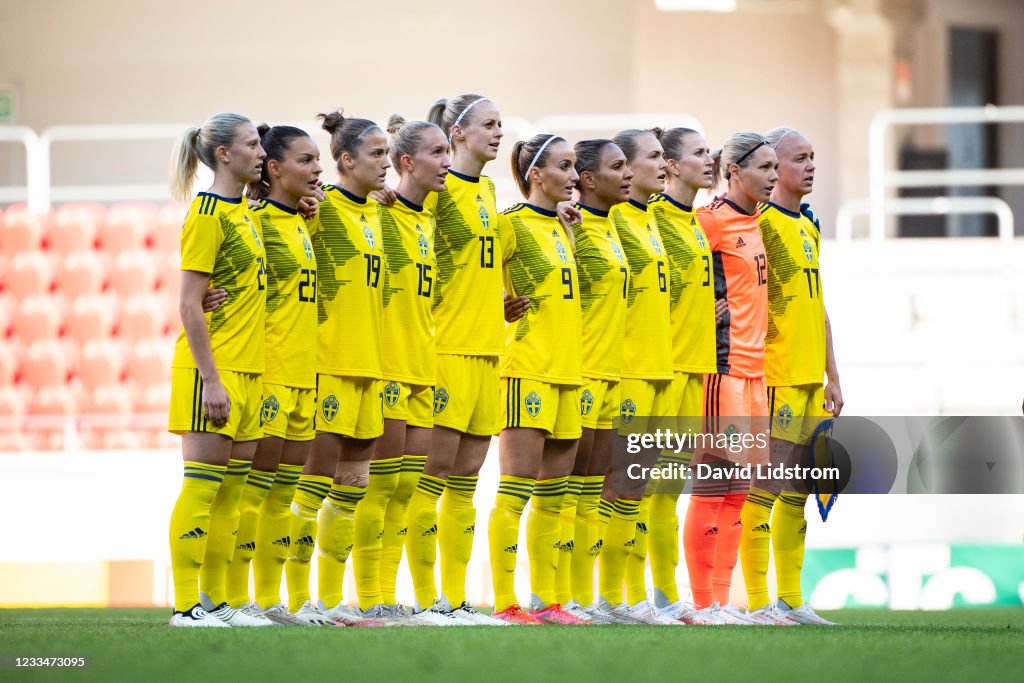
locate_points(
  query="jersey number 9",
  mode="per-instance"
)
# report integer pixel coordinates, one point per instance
(567, 281)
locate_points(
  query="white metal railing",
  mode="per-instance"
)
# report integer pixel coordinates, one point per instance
(881, 178)
(30, 141)
(927, 206)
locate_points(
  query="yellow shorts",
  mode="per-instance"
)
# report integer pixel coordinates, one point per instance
(288, 412)
(245, 391)
(349, 406)
(688, 399)
(467, 397)
(796, 411)
(599, 403)
(554, 408)
(640, 400)
(411, 403)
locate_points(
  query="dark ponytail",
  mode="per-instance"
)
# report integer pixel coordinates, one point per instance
(275, 142)
(346, 133)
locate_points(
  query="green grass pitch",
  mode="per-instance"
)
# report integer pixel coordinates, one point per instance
(136, 645)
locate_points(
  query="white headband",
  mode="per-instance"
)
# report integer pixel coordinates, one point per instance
(465, 111)
(526, 176)
(776, 145)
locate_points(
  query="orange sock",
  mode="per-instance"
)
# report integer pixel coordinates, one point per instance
(730, 529)
(700, 541)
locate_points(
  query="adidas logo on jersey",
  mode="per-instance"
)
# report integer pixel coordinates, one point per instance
(380, 534)
(306, 540)
(512, 549)
(195, 533)
(554, 233)
(250, 546)
(479, 198)
(802, 233)
(286, 541)
(737, 523)
(713, 531)
(763, 528)
(432, 531)
(740, 242)
(362, 218)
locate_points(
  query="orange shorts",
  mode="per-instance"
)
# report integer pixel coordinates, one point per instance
(736, 419)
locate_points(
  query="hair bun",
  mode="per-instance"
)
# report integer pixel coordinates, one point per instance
(332, 121)
(395, 123)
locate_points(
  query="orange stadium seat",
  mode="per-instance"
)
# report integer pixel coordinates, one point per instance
(37, 318)
(102, 362)
(29, 273)
(44, 364)
(133, 272)
(149, 362)
(52, 400)
(170, 271)
(90, 317)
(22, 231)
(166, 236)
(107, 399)
(10, 357)
(142, 316)
(7, 306)
(154, 399)
(74, 227)
(127, 226)
(81, 273)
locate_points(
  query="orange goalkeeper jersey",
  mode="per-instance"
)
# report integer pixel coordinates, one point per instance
(741, 278)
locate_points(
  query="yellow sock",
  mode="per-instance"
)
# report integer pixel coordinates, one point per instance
(253, 493)
(421, 539)
(636, 562)
(189, 529)
(586, 540)
(273, 538)
(754, 550)
(220, 544)
(369, 529)
(395, 528)
(604, 516)
(664, 547)
(542, 530)
(789, 531)
(456, 527)
(334, 540)
(309, 497)
(503, 537)
(618, 543)
(567, 540)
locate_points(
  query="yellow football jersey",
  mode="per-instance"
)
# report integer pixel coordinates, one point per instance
(468, 315)
(795, 345)
(291, 297)
(409, 279)
(545, 343)
(604, 276)
(691, 285)
(220, 238)
(648, 344)
(349, 252)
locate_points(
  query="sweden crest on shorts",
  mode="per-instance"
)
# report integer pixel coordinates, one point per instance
(440, 400)
(270, 407)
(627, 411)
(785, 416)
(586, 402)
(532, 404)
(391, 393)
(329, 407)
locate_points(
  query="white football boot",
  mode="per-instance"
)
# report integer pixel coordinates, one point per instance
(195, 617)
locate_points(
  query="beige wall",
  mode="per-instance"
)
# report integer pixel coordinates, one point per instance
(119, 61)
